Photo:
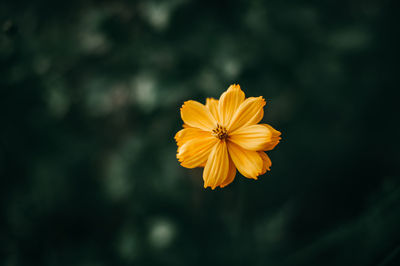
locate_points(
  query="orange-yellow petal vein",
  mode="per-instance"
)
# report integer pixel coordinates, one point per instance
(229, 102)
(249, 113)
(275, 138)
(212, 105)
(217, 166)
(249, 163)
(254, 137)
(231, 174)
(195, 114)
(194, 152)
(188, 133)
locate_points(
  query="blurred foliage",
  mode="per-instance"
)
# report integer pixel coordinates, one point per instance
(90, 97)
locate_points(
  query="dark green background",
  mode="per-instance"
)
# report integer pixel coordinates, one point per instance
(89, 105)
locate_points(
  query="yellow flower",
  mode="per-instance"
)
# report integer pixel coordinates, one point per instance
(224, 135)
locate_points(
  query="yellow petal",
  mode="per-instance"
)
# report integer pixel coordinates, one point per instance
(249, 163)
(195, 114)
(217, 166)
(188, 133)
(254, 137)
(212, 105)
(229, 102)
(249, 113)
(194, 152)
(275, 138)
(231, 174)
(257, 118)
(266, 162)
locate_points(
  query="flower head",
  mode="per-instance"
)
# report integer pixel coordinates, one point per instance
(224, 135)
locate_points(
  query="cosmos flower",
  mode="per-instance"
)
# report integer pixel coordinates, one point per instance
(224, 135)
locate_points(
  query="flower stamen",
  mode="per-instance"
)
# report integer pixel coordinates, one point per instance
(220, 132)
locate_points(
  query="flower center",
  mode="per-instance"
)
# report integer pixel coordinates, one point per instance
(220, 132)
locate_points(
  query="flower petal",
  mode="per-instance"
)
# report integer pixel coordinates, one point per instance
(194, 152)
(255, 137)
(275, 139)
(217, 166)
(212, 105)
(249, 113)
(195, 114)
(231, 174)
(229, 102)
(249, 163)
(266, 162)
(188, 133)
